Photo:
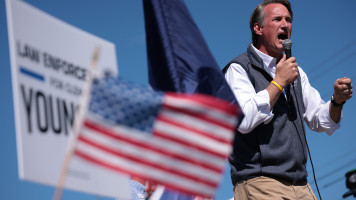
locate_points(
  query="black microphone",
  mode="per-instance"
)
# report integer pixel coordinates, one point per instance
(287, 46)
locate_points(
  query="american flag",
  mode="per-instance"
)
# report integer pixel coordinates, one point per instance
(180, 141)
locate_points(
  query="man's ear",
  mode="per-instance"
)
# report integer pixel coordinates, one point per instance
(257, 28)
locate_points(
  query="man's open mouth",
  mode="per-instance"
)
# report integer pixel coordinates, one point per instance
(282, 36)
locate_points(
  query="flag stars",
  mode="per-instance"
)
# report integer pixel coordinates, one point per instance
(121, 102)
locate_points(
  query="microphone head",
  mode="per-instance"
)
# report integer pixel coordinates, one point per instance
(287, 44)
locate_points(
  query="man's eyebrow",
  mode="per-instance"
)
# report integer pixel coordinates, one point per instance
(281, 16)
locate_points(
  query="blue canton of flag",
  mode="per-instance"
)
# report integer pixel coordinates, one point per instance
(180, 141)
(122, 102)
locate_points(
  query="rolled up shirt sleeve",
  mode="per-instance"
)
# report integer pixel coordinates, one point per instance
(255, 106)
(317, 115)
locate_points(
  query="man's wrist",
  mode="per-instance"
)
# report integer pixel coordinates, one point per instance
(280, 88)
(336, 103)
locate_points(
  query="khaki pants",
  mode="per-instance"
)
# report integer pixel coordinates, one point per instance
(265, 188)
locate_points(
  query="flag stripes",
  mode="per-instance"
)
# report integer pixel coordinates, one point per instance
(158, 145)
(167, 179)
(133, 152)
(189, 127)
(170, 166)
(199, 141)
(213, 130)
(190, 183)
(217, 110)
(197, 120)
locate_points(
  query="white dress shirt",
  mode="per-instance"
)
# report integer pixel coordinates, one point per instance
(256, 106)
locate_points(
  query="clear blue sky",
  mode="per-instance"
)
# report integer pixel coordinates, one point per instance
(322, 32)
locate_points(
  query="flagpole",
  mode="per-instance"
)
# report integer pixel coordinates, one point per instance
(79, 116)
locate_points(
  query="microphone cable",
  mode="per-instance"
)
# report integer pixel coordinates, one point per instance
(306, 142)
(287, 44)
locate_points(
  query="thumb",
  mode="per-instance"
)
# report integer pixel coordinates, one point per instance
(284, 58)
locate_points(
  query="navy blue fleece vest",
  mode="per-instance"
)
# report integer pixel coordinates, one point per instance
(277, 149)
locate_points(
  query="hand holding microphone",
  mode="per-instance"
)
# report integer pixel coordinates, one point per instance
(287, 68)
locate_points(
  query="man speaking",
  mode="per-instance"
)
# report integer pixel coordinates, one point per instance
(270, 149)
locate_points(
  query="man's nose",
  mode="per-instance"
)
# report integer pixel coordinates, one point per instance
(285, 23)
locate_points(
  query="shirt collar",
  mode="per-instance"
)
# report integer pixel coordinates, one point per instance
(269, 63)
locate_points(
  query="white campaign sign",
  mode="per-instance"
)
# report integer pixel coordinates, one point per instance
(49, 63)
